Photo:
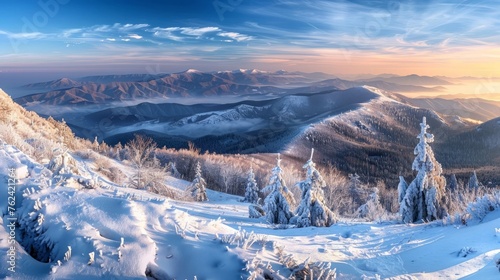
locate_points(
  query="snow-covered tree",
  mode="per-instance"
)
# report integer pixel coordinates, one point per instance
(149, 173)
(402, 187)
(140, 151)
(199, 185)
(356, 190)
(95, 144)
(372, 209)
(453, 186)
(277, 202)
(473, 182)
(312, 210)
(424, 196)
(252, 190)
(154, 179)
(172, 169)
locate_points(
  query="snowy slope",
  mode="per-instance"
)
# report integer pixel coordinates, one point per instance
(166, 239)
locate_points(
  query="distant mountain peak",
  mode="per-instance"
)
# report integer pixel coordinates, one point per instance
(191, 70)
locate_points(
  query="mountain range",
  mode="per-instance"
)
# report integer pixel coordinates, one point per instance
(193, 83)
(357, 126)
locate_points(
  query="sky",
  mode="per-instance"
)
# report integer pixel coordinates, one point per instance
(85, 37)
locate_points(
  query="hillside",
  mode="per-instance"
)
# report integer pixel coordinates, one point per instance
(472, 108)
(75, 223)
(115, 232)
(360, 129)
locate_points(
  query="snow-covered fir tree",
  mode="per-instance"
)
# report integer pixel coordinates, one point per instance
(252, 190)
(199, 186)
(424, 196)
(312, 210)
(277, 202)
(402, 187)
(473, 182)
(356, 189)
(172, 169)
(453, 186)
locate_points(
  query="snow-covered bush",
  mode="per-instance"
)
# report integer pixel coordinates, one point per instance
(86, 183)
(277, 202)
(305, 269)
(62, 163)
(480, 208)
(312, 210)
(314, 270)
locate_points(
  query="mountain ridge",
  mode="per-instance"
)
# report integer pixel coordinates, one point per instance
(194, 83)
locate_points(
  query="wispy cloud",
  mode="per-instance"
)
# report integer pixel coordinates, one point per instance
(376, 25)
(210, 33)
(24, 35)
(135, 36)
(235, 36)
(166, 33)
(117, 27)
(198, 31)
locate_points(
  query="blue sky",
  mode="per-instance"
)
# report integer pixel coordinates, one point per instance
(340, 37)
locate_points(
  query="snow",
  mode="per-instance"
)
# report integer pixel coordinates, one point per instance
(132, 233)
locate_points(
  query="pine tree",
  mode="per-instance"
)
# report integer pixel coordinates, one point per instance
(252, 190)
(199, 185)
(277, 202)
(424, 196)
(312, 210)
